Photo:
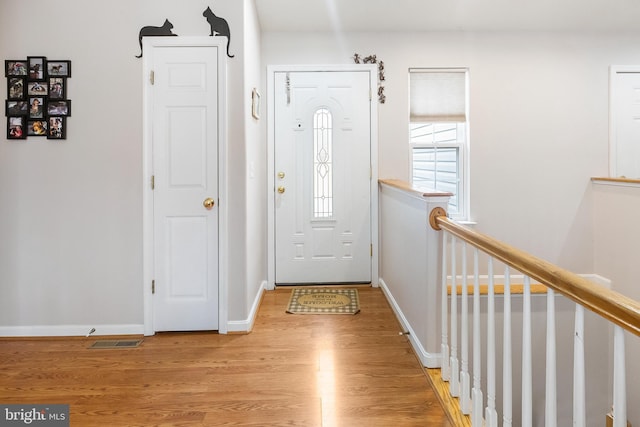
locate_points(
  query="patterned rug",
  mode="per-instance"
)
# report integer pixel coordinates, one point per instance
(324, 301)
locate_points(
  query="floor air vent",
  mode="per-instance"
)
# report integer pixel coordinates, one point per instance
(106, 344)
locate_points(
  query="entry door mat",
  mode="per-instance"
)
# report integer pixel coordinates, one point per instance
(324, 301)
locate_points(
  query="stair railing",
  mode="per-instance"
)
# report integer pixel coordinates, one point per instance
(621, 311)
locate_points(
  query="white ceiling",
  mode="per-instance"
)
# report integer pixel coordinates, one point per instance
(443, 15)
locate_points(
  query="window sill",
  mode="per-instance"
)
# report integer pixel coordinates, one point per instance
(621, 182)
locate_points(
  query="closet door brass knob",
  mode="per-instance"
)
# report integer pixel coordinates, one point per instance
(280, 189)
(209, 203)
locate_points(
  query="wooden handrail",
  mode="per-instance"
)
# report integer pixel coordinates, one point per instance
(613, 306)
(618, 180)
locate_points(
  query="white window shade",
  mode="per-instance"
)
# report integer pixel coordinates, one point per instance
(437, 96)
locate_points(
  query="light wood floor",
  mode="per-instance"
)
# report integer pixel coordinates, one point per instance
(292, 370)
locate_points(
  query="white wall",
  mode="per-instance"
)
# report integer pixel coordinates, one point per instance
(71, 211)
(617, 244)
(538, 121)
(256, 162)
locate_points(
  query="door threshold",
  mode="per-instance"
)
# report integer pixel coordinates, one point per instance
(323, 285)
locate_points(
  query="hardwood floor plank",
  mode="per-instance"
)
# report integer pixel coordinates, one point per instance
(291, 370)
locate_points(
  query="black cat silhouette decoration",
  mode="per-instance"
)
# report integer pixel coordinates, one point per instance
(219, 27)
(147, 31)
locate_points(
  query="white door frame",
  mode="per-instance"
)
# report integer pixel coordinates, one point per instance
(614, 70)
(147, 171)
(271, 71)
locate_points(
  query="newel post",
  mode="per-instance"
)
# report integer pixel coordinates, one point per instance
(437, 341)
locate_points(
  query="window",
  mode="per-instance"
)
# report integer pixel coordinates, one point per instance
(322, 164)
(438, 133)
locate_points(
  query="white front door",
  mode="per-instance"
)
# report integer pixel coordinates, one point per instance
(626, 125)
(322, 166)
(185, 196)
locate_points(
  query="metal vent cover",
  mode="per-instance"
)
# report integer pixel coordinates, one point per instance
(106, 344)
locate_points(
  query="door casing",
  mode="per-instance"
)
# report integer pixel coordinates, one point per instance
(271, 72)
(149, 43)
(614, 107)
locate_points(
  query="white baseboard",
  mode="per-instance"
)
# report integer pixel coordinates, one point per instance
(69, 330)
(239, 326)
(429, 360)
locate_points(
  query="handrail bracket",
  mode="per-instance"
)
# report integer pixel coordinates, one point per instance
(433, 217)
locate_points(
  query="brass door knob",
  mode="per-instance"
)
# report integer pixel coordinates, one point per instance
(280, 189)
(281, 175)
(208, 203)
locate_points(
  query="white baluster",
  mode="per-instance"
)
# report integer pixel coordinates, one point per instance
(579, 398)
(491, 416)
(465, 381)
(477, 398)
(454, 383)
(551, 419)
(619, 380)
(527, 379)
(507, 371)
(444, 346)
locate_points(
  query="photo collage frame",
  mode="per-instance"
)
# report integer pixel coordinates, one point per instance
(37, 101)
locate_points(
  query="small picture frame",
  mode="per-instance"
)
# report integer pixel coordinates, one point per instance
(16, 108)
(59, 68)
(255, 104)
(57, 86)
(37, 127)
(15, 67)
(57, 128)
(16, 127)
(37, 67)
(36, 107)
(16, 88)
(37, 88)
(59, 107)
